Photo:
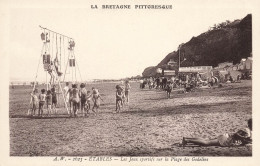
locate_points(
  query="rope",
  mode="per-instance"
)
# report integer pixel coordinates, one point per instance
(71, 74)
(78, 70)
(65, 70)
(50, 46)
(46, 79)
(45, 41)
(56, 47)
(76, 80)
(74, 67)
(37, 69)
(60, 53)
(63, 52)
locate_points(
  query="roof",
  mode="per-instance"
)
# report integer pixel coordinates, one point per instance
(169, 72)
(195, 69)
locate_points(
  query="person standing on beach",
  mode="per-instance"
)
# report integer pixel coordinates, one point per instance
(34, 100)
(164, 82)
(168, 88)
(96, 99)
(75, 99)
(49, 102)
(88, 98)
(83, 97)
(54, 99)
(141, 83)
(160, 83)
(42, 99)
(66, 90)
(127, 90)
(119, 96)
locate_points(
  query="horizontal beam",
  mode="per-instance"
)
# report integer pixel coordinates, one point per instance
(56, 32)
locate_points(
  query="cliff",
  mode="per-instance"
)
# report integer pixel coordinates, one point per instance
(227, 41)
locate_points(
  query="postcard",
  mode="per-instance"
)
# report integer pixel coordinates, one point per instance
(143, 82)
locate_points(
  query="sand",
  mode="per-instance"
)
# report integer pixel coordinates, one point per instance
(148, 126)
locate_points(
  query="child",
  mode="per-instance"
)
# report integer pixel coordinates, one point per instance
(34, 100)
(127, 89)
(122, 88)
(119, 96)
(66, 90)
(96, 99)
(83, 99)
(141, 83)
(69, 97)
(239, 138)
(88, 97)
(54, 99)
(49, 102)
(42, 98)
(50, 69)
(75, 99)
(56, 64)
(168, 88)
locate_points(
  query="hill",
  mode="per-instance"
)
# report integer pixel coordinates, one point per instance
(227, 41)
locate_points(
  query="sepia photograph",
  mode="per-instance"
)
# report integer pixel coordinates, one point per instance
(134, 80)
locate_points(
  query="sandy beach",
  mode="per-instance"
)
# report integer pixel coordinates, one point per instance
(148, 126)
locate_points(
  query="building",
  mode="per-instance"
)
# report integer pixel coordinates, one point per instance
(169, 73)
(246, 64)
(204, 71)
(172, 63)
(195, 69)
(249, 63)
(225, 64)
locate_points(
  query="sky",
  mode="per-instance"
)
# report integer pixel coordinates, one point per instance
(110, 44)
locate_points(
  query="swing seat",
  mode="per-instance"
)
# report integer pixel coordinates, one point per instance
(43, 36)
(46, 59)
(72, 62)
(59, 73)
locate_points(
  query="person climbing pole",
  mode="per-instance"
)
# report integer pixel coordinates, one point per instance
(50, 71)
(56, 65)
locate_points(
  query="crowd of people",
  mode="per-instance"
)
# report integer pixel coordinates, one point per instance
(187, 82)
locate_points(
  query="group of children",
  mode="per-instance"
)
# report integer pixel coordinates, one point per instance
(81, 99)
(122, 95)
(50, 99)
(77, 99)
